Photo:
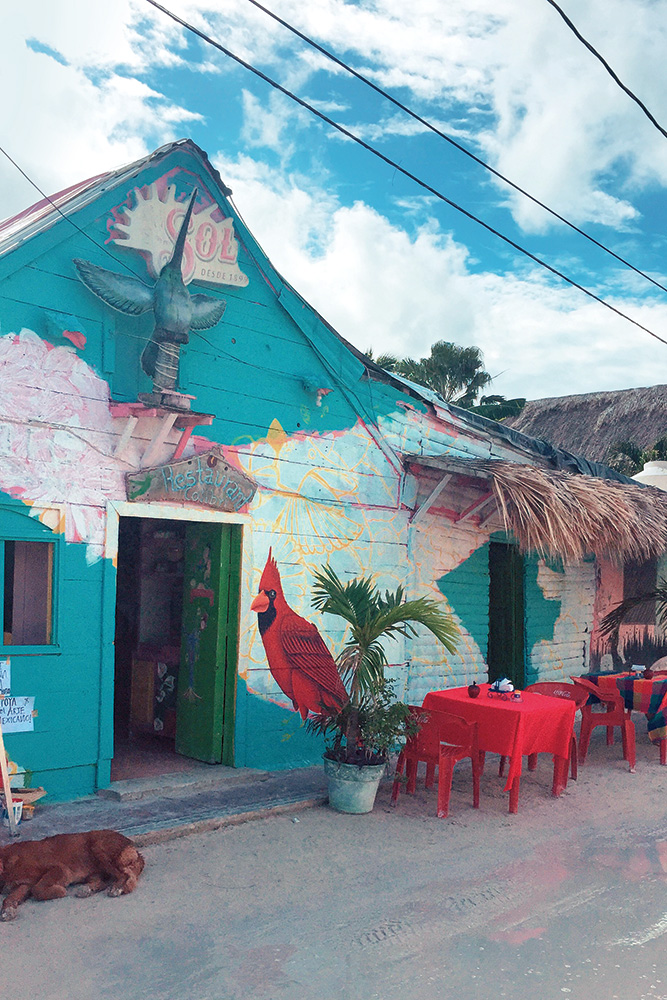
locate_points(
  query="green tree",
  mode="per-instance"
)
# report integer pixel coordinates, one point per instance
(628, 458)
(450, 370)
(455, 372)
(498, 407)
(386, 361)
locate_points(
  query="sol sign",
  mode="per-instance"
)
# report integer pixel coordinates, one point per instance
(210, 255)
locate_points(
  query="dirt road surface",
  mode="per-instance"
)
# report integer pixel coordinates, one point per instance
(566, 900)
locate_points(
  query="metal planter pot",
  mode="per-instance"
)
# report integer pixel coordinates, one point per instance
(352, 789)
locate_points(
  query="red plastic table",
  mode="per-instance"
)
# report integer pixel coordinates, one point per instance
(515, 729)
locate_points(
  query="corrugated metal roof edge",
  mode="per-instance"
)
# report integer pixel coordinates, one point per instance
(558, 458)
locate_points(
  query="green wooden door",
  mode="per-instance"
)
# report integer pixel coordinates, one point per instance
(505, 657)
(209, 643)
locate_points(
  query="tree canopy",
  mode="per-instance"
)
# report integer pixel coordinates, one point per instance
(457, 374)
(628, 458)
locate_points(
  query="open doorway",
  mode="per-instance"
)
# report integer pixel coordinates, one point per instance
(506, 649)
(176, 644)
(149, 606)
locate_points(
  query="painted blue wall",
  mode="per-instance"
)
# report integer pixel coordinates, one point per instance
(63, 750)
(250, 371)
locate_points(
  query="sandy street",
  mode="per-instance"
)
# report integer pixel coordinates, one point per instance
(567, 899)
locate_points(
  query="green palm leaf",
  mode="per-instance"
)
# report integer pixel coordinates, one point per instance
(372, 618)
(612, 621)
(372, 721)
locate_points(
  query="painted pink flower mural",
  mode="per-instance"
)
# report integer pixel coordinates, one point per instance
(56, 435)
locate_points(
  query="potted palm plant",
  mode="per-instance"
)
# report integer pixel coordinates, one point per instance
(361, 736)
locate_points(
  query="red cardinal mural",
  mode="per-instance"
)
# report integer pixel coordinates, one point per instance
(300, 663)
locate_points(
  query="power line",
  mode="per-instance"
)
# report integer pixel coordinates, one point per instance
(396, 166)
(606, 65)
(457, 145)
(67, 217)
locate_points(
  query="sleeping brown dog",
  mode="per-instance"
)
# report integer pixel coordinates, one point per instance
(44, 868)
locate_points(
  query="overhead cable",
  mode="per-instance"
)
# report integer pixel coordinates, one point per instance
(52, 203)
(457, 145)
(606, 65)
(396, 166)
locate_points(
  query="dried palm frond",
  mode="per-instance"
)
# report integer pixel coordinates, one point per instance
(555, 513)
(591, 424)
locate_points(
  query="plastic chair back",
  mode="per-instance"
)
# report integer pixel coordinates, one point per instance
(457, 732)
(610, 698)
(560, 689)
(440, 727)
(425, 744)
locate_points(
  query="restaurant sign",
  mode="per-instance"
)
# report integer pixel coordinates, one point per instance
(206, 480)
(151, 225)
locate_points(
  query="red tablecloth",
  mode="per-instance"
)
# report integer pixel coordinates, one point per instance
(606, 682)
(536, 724)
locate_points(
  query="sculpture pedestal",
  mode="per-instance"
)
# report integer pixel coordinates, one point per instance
(175, 400)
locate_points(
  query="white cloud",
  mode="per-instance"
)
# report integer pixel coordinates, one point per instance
(560, 124)
(555, 122)
(382, 288)
(265, 123)
(80, 112)
(396, 125)
(290, 216)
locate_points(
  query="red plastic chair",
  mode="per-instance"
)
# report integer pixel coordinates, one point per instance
(442, 740)
(616, 714)
(555, 689)
(561, 689)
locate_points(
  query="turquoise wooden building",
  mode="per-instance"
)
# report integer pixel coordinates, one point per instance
(136, 514)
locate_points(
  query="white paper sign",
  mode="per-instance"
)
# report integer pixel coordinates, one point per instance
(5, 677)
(16, 715)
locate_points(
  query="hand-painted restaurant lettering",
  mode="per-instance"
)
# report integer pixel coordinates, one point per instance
(206, 480)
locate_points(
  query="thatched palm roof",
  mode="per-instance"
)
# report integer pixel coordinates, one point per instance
(590, 424)
(555, 513)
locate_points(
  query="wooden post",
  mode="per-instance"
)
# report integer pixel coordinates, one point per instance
(13, 831)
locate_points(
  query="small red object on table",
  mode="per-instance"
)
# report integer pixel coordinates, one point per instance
(515, 729)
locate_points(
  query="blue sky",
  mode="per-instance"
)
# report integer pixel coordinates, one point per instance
(391, 267)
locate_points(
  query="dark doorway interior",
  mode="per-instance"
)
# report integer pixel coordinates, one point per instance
(506, 652)
(147, 647)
